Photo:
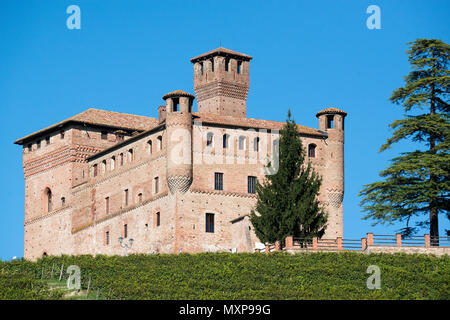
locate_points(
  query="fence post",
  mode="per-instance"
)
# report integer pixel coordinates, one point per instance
(363, 244)
(267, 248)
(289, 242)
(370, 239)
(277, 245)
(398, 238)
(314, 243)
(340, 243)
(427, 240)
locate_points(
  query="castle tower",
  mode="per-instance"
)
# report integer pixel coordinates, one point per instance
(178, 118)
(221, 82)
(331, 120)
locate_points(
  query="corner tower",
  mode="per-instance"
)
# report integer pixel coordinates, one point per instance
(178, 118)
(221, 82)
(331, 120)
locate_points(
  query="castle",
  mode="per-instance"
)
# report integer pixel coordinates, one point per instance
(184, 182)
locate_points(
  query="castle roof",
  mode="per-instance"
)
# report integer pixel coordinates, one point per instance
(251, 123)
(331, 111)
(178, 93)
(222, 52)
(99, 117)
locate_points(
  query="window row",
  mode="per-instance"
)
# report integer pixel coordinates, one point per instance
(46, 139)
(218, 182)
(227, 65)
(226, 141)
(48, 200)
(126, 196)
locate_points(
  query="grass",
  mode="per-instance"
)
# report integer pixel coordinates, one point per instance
(227, 276)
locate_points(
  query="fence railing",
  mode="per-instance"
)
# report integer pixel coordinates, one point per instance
(339, 244)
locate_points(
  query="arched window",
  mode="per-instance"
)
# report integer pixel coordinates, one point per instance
(209, 139)
(130, 155)
(160, 143)
(48, 195)
(241, 143)
(149, 143)
(113, 163)
(312, 150)
(121, 159)
(140, 198)
(226, 138)
(63, 201)
(103, 166)
(256, 144)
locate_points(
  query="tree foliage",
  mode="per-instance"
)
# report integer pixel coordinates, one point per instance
(287, 202)
(417, 182)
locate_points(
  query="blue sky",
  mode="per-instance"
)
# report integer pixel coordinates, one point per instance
(308, 55)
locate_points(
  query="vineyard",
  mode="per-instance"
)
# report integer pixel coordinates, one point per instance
(229, 276)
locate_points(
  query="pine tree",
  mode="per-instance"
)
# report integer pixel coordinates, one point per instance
(287, 202)
(417, 182)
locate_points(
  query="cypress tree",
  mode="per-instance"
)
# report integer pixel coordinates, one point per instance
(416, 184)
(287, 202)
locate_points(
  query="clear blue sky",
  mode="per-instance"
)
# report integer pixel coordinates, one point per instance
(308, 55)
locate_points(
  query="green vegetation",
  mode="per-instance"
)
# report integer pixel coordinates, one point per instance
(231, 276)
(417, 183)
(287, 203)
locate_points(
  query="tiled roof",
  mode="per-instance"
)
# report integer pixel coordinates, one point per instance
(178, 93)
(101, 118)
(331, 111)
(250, 123)
(221, 51)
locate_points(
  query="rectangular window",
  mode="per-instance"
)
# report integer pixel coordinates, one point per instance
(107, 205)
(61, 134)
(95, 170)
(251, 184)
(218, 181)
(47, 140)
(107, 237)
(38, 144)
(125, 231)
(29, 147)
(158, 219)
(239, 67)
(126, 197)
(330, 119)
(156, 185)
(210, 222)
(104, 135)
(121, 159)
(113, 163)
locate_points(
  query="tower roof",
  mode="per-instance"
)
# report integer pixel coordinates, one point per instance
(221, 52)
(178, 93)
(331, 111)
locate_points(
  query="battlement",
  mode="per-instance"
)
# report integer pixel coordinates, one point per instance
(222, 81)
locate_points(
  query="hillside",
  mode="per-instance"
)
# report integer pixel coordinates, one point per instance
(231, 276)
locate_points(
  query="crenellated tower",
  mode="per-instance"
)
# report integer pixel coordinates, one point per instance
(331, 120)
(178, 118)
(221, 82)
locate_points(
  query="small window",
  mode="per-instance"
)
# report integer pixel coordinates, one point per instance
(156, 185)
(241, 143)
(38, 144)
(227, 63)
(159, 143)
(130, 155)
(104, 135)
(251, 184)
(126, 197)
(121, 159)
(95, 170)
(212, 64)
(330, 122)
(30, 147)
(103, 166)
(107, 238)
(107, 205)
(125, 231)
(120, 137)
(312, 150)
(176, 104)
(256, 144)
(201, 67)
(239, 67)
(218, 181)
(210, 222)
(113, 163)
(209, 139)
(48, 194)
(63, 202)
(149, 144)
(47, 140)
(61, 134)
(226, 138)
(140, 198)
(157, 219)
